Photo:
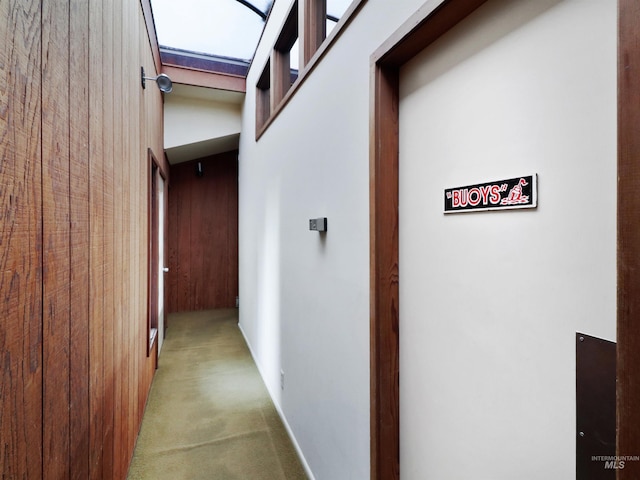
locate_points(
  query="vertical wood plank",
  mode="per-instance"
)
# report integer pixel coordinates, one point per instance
(97, 243)
(185, 288)
(135, 224)
(127, 168)
(79, 238)
(73, 258)
(628, 333)
(109, 89)
(120, 267)
(197, 239)
(56, 237)
(171, 283)
(20, 240)
(232, 264)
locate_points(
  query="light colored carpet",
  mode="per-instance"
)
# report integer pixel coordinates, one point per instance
(209, 415)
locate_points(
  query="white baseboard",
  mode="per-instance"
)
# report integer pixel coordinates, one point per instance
(307, 469)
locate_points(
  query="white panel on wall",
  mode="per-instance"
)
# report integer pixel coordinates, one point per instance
(490, 301)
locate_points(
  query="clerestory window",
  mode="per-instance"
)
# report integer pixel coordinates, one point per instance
(309, 29)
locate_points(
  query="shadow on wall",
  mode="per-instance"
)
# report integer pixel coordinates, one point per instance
(514, 14)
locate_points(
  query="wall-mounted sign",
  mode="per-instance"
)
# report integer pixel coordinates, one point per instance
(519, 192)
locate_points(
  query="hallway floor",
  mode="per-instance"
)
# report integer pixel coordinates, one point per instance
(209, 415)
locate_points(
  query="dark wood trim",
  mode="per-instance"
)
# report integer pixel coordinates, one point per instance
(281, 55)
(289, 29)
(175, 57)
(424, 27)
(628, 328)
(312, 16)
(385, 408)
(199, 78)
(153, 254)
(429, 23)
(263, 97)
(279, 76)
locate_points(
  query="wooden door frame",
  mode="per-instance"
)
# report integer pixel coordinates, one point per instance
(153, 255)
(429, 23)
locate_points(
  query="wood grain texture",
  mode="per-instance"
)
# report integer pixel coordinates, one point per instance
(203, 235)
(385, 406)
(75, 373)
(109, 199)
(628, 333)
(187, 76)
(79, 238)
(20, 241)
(56, 238)
(97, 244)
(313, 27)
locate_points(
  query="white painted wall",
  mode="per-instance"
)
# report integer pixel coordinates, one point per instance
(305, 298)
(491, 302)
(192, 120)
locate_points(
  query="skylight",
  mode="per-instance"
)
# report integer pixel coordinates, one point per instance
(221, 28)
(225, 28)
(335, 10)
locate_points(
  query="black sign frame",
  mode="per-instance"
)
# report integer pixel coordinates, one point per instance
(509, 194)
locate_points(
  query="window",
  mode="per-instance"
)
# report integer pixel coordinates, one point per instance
(283, 75)
(263, 96)
(302, 42)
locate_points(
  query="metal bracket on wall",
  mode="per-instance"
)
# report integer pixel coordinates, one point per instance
(318, 224)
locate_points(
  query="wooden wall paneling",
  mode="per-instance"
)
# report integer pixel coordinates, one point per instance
(120, 265)
(131, 175)
(97, 244)
(204, 234)
(79, 238)
(234, 264)
(212, 235)
(628, 327)
(109, 89)
(138, 226)
(210, 220)
(20, 220)
(145, 145)
(56, 237)
(200, 233)
(221, 257)
(73, 252)
(171, 280)
(185, 289)
(232, 231)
